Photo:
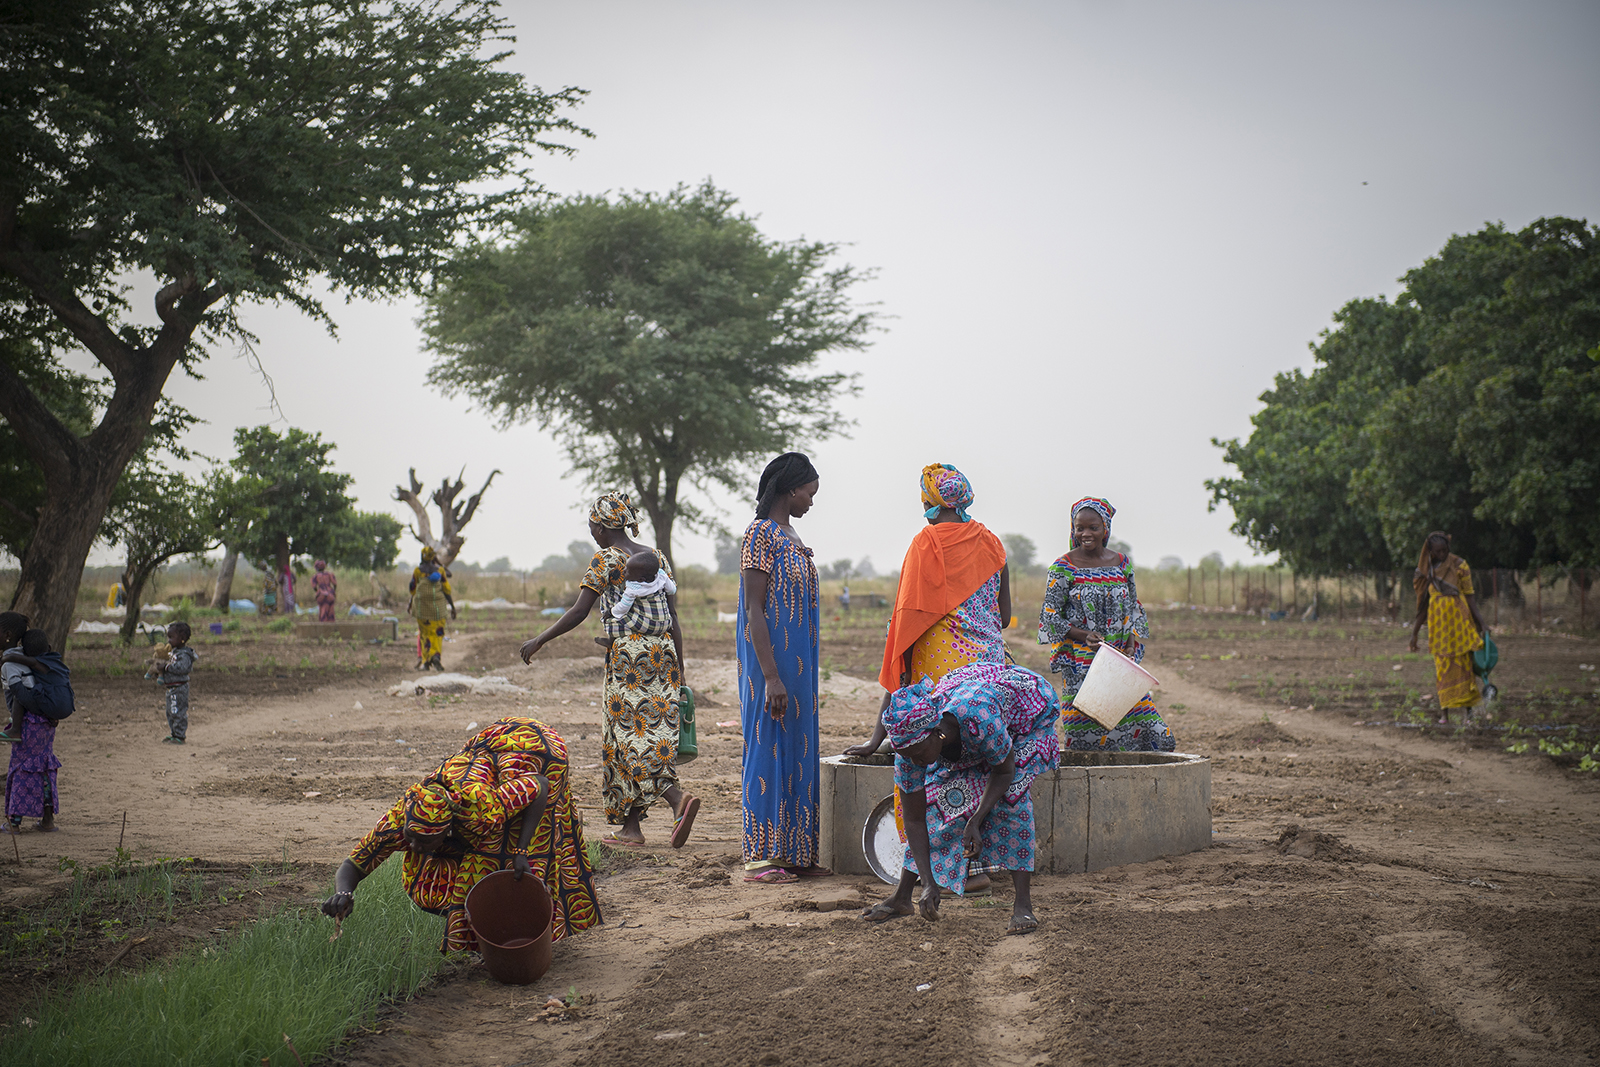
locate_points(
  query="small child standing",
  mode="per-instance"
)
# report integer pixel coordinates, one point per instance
(643, 607)
(174, 669)
(31, 776)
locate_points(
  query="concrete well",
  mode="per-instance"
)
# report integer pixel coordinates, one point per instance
(1097, 810)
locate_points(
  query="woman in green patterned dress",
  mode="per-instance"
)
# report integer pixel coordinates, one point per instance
(639, 739)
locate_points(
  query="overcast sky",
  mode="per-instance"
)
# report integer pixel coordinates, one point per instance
(1100, 228)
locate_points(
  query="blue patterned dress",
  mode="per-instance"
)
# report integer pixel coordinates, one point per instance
(782, 763)
(1001, 711)
(1105, 600)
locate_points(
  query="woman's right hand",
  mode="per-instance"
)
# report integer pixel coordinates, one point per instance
(860, 750)
(339, 906)
(1092, 639)
(530, 646)
(1411, 646)
(777, 698)
(928, 903)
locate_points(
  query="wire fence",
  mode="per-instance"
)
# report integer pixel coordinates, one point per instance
(1545, 598)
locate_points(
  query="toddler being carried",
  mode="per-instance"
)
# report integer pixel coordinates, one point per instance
(643, 607)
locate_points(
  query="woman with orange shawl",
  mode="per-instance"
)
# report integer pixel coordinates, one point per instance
(1444, 601)
(954, 596)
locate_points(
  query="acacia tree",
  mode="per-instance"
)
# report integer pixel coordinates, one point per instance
(1470, 404)
(302, 508)
(157, 514)
(232, 151)
(660, 336)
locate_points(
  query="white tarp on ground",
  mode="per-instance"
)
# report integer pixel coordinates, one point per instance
(494, 685)
(498, 602)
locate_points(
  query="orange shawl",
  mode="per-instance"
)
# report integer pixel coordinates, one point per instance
(945, 565)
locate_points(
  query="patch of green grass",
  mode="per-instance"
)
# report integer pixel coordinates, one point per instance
(281, 625)
(234, 1001)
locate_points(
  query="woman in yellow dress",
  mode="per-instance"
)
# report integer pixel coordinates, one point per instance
(1443, 582)
(430, 598)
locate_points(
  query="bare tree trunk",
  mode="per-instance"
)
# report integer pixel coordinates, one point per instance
(133, 581)
(281, 558)
(80, 472)
(52, 565)
(453, 517)
(222, 592)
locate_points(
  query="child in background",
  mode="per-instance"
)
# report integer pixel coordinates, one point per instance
(175, 668)
(31, 776)
(643, 607)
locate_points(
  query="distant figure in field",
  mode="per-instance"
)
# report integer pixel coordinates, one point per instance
(325, 587)
(1443, 583)
(1090, 598)
(430, 599)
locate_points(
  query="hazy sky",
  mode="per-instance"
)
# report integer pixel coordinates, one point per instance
(1100, 228)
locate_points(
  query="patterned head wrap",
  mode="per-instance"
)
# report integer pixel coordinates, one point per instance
(321, 564)
(428, 554)
(1100, 507)
(429, 808)
(785, 474)
(615, 511)
(945, 487)
(910, 715)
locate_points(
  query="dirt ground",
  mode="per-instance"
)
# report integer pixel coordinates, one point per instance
(1372, 895)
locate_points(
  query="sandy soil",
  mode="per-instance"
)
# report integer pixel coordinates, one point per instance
(1371, 896)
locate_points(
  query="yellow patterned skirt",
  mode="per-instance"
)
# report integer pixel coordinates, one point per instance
(430, 638)
(1452, 638)
(639, 738)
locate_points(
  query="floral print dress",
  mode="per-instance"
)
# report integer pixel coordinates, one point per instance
(1105, 600)
(639, 738)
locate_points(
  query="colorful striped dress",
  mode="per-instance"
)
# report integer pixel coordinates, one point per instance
(1000, 711)
(782, 762)
(1105, 600)
(493, 778)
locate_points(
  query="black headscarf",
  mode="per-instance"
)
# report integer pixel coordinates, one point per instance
(789, 471)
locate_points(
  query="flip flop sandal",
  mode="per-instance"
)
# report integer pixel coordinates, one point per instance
(1029, 925)
(772, 876)
(885, 913)
(684, 822)
(617, 842)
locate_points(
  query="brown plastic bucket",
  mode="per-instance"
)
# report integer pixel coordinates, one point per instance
(511, 920)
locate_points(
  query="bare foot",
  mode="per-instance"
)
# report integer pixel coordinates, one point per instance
(885, 910)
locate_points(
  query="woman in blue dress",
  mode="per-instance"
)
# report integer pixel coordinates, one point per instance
(778, 671)
(966, 754)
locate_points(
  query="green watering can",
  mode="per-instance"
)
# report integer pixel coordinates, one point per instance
(1483, 661)
(688, 746)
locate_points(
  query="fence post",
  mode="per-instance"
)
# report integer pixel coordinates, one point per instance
(1494, 587)
(1189, 598)
(1538, 593)
(1583, 598)
(1233, 589)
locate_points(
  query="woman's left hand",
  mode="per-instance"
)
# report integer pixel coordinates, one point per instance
(519, 866)
(970, 840)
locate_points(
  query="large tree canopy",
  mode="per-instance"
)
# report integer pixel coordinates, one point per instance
(234, 150)
(661, 336)
(1470, 404)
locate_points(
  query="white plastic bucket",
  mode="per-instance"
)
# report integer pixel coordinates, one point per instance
(1112, 687)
